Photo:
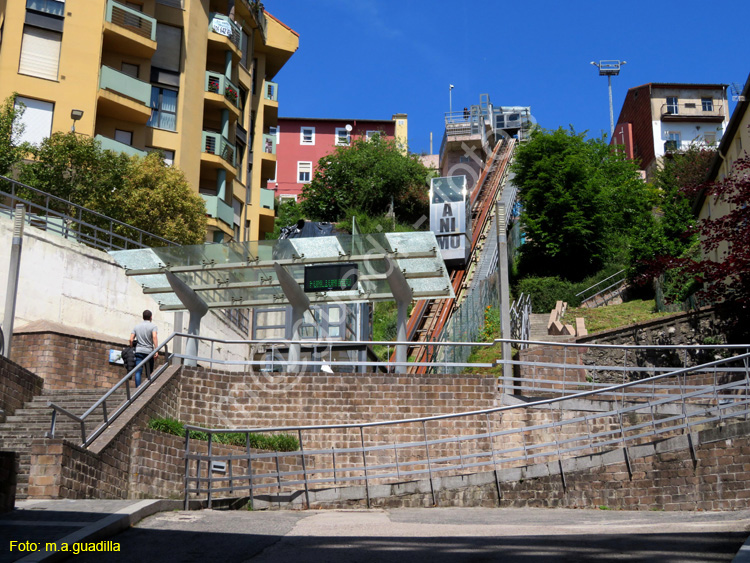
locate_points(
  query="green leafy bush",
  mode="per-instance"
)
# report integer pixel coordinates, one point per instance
(545, 292)
(273, 442)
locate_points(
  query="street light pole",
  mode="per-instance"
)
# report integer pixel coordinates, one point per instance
(450, 100)
(609, 69)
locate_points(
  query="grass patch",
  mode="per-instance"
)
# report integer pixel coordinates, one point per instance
(614, 316)
(273, 442)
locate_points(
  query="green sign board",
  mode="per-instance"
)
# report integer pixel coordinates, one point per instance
(331, 277)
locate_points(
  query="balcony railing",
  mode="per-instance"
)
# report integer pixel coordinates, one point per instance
(270, 91)
(131, 19)
(269, 144)
(220, 84)
(117, 146)
(111, 79)
(266, 199)
(219, 209)
(692, 109)
(214, 143)
(222, 25)
(51, 7)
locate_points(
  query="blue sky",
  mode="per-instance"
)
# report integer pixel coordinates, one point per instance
(368, 59)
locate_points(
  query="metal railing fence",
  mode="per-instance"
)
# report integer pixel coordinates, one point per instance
(548, 431)
(599, 295)
(69, 220)
(520, 319)
(108, 411)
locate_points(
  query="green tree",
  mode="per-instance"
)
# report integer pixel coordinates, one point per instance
(11, 148)
(581, 200)
(140, 191)
(670, 230)
(158, 199)
(367, 176)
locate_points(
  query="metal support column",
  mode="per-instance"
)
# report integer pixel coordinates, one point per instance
(197, 309)
(403, 296)
(13, 270)
(300, 303)
(502, 270)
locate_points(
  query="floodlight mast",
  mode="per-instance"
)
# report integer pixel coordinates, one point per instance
(609, 69)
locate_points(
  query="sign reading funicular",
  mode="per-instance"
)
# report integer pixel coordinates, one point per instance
(331, 277)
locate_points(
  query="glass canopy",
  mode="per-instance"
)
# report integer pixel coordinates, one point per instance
(240, 275)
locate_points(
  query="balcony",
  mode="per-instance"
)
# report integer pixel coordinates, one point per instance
(271, 91)
(218, 152)
(222, 93)
(267, 199)
(219, 209)
(128, 31)
(123, 97)
(269, 144)
(692, 112)
(116, 146)
(224, 31)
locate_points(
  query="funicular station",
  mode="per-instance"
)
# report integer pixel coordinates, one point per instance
(305, 416)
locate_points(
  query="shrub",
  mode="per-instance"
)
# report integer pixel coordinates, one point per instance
(545, 292)
(273, 442)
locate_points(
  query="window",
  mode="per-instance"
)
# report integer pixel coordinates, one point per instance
(306, 136)
(371, 134)
(36, 119)
(168, 48)
(245, 48)
(53, 7)
(672, 105)
(240, 159)
(124, 137)
(40, 53)
(166, 155)
(284, 198)
(673, 141)
(304, 172)
(130, 69)
(163, 109)
(342, 136)
(276, 132)
(709, 138)
(707, 104)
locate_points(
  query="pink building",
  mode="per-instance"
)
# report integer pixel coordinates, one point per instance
(302, 141)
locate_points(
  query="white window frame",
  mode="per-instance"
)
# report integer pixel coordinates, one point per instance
(372, 132)
(304, 167)
(275, 131)
(121, 135)
(283, 198)
(339, 131)
(302, 135)
(673, 108)
(37, 119)
(707, 102)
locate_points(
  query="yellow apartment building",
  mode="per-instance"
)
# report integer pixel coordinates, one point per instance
(191, 78)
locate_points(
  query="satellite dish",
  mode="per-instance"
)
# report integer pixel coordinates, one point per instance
(348, 128)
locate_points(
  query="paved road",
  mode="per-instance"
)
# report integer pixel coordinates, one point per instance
(432, 535)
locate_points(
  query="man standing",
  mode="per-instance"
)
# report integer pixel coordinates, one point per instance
(144, 334)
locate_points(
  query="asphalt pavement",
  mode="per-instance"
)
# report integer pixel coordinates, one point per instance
(433, 535)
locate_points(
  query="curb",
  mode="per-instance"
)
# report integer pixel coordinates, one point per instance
(106, 527)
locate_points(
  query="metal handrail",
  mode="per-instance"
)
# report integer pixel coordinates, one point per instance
(72, 223)
(87, 439)
(600, 283)
(621, 424)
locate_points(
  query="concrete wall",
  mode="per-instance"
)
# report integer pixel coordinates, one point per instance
(65, 282)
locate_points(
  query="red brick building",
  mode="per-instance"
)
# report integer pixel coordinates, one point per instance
(302, 141)
(659, 118)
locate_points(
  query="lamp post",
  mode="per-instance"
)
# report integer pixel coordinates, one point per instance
(609, 69)
(450, 100)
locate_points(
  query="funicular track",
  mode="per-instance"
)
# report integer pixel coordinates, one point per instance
(430, 316)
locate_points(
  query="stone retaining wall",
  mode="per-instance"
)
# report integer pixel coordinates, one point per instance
(17, 386)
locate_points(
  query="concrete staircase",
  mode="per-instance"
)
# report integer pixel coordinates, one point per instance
(538, 329)
(33, 421)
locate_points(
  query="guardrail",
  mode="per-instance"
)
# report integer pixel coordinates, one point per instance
(393, 451)
(520, 319)
(130, 396)
(71, 221)
(604, 296)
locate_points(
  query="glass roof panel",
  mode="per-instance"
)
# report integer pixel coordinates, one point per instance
(238, 275)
